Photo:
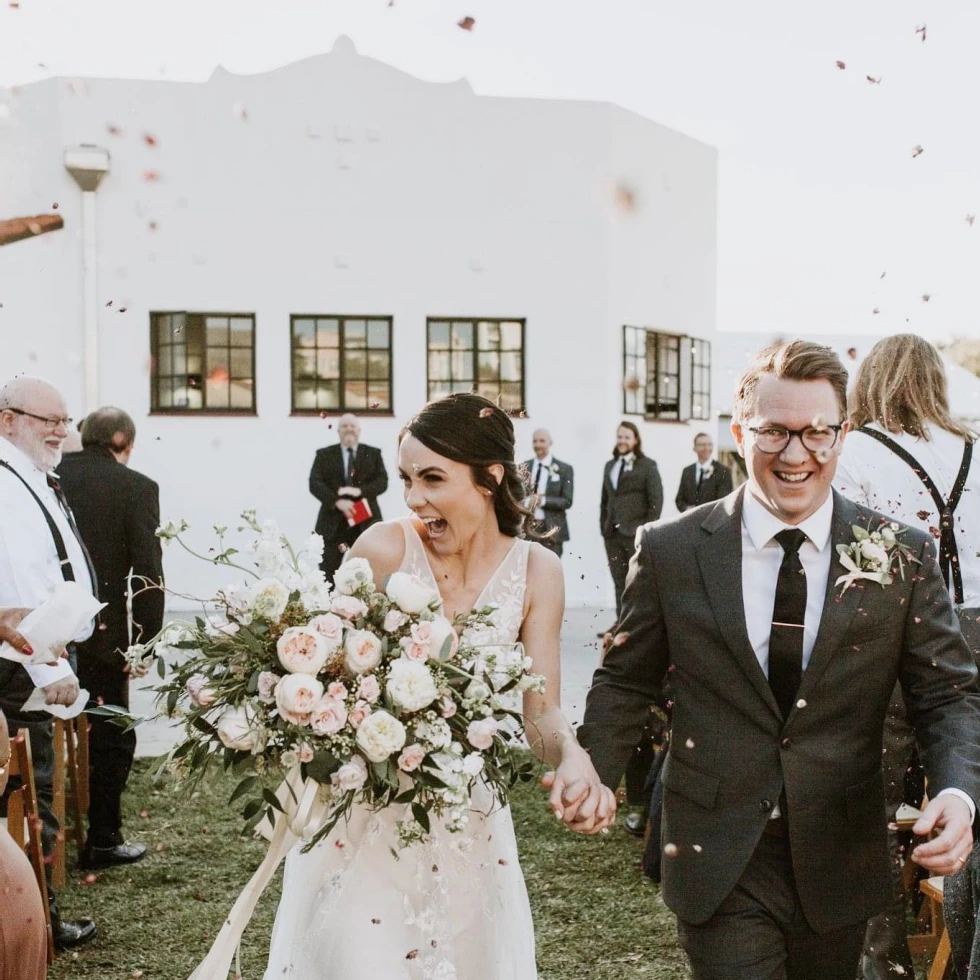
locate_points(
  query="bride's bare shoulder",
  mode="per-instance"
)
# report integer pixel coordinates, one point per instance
(544, 569)
(383, 545)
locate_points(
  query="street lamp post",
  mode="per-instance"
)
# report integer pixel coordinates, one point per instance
(88, 164)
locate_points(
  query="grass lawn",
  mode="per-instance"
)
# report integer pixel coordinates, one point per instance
(597, 917)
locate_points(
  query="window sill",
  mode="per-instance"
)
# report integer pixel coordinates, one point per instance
(313, 413)
(194, 413)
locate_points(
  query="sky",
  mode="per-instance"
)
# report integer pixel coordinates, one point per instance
(826, 211)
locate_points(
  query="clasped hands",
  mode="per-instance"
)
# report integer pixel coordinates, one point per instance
(344, 503)
(64, 691)
(578, 798)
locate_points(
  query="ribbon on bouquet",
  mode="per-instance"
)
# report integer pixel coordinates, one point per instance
(304, 812)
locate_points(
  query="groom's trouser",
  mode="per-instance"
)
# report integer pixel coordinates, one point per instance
(760, 933)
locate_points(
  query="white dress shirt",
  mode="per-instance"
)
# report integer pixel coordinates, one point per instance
(543, 468)
(623, 465)
(29, 564)
(871, 474)
(762, 555)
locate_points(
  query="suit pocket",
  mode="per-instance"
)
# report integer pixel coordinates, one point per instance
(693, 784)
(866, 799)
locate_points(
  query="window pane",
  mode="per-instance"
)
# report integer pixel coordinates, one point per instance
(160, 328)
(180, 360)
(165, 393)
(217, 330)
(241, 331)
(304, 365)
(304, 333)
(489, 335)
(438, 335)
(378, 397)
(438, 388)
(355, 394)
(193, 336)
(463, 386)
(328, 363)
(328, 333)
(355, 365)
(438, 365)
(379, 364)
(510, 335)
(304, 395)
(489, 389)
(217, 393)
(378, 333)
(462, 335)
(355, 333)
(510, 397)
(328, 394)
(165, 361)
(242, 394)
(218, 362)
(462, 365)
(488, 366)
(241, 362)
(194, 365)
(510, 366)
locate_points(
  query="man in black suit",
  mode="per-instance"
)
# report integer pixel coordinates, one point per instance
(632, 495)
(552, 485)
(781, 669)
(118, 513)
(705, 480)
(341, 476)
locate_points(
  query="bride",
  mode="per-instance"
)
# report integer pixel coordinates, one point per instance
(456, 907)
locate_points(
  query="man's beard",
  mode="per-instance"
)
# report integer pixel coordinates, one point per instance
(43, 456)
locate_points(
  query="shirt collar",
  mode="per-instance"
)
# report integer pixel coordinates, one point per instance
(762, 526)
(345, 448)
(546, 462)
(628, 458)
(21, 461)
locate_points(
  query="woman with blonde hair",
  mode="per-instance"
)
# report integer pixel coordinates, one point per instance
(910, 459)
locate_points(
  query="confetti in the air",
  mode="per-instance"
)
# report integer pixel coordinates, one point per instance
(882, 276)
(872, 80)
(149, 139)
(625, 197)
(917, 150)
(113, 130)
(467, 23)
(239, 112)
(921, 29)
(970, 218)
(876, 311)
(841, 65)
(151, 176)
(926, 297)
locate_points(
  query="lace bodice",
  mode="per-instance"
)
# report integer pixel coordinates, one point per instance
(504, 591)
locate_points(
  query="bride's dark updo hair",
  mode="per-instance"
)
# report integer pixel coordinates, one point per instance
(471, 429)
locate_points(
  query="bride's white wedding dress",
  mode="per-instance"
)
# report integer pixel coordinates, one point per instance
(452, 909)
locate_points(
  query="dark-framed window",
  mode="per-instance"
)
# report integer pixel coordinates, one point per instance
(481, 355)
(341, 364)
(700, 379)
(202, 362)
(634, 370)
(651, 373)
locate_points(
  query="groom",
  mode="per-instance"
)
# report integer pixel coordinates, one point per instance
(774, 833)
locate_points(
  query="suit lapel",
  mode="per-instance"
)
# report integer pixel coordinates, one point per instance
(720, 560)
(838, 610)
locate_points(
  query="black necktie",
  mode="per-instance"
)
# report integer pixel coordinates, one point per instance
(537, 475)
(789, 611)
(55, 485)
(700, 476)
(349, 464)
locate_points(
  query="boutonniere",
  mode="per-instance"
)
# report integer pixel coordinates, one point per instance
(877, 556)
(554, 469)
(707, 471)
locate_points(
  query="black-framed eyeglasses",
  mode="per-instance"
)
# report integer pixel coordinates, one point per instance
(815, 438)
(50, 422)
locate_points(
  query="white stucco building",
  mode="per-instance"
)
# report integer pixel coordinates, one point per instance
(252, 234)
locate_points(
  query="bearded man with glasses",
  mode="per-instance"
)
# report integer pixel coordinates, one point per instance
(40, 547)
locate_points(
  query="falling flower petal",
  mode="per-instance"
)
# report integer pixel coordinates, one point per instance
(239, 112)
(917, 150)
(970, 218)
(151, 176)
(926, 297)
(872, 80)
(670, 850)
(625, 197)
(841, 65)
(921, 29)
(876, 310)
(467, 23)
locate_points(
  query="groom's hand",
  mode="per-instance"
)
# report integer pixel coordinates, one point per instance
(585, 806)
(948, 852)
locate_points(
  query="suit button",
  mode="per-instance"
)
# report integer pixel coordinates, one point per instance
(766, 805)
(785, 743)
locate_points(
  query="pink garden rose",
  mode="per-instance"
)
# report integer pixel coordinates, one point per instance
(331, 628)
(337, 690)
(200, 694)
(303, 650)
(395, 619)
(480, 733)
(351, 776)
(369, 689)
(362, 651)
(358, 713)
(414, 650)
(411, 757)
(329, 716)
(304, 752)
(348, 607)
(296, 697)
(447, 706)
(267, 686)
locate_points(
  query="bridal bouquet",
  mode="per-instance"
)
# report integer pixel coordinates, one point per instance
(368, 694)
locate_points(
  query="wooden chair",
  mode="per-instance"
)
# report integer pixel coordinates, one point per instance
(942, 962)
(71, 762)
(24, 820)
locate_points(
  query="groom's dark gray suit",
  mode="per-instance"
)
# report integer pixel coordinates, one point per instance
(732, 755)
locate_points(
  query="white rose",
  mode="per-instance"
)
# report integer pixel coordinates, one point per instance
(888, 537)
(236, 729)
(351, 776)
(380, 736)
(269, 598)
(296, 696)
(331, 628)
(410, 593)
(411, 685)
(441, 630)
(303, 650)
(473, 764)
(435, 733)
(395, 619)
(362, 651)
(874, 552)
(476, 691)
(353, 574)
(480, 733)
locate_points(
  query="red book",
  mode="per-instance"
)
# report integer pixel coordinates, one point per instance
(359, 513)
